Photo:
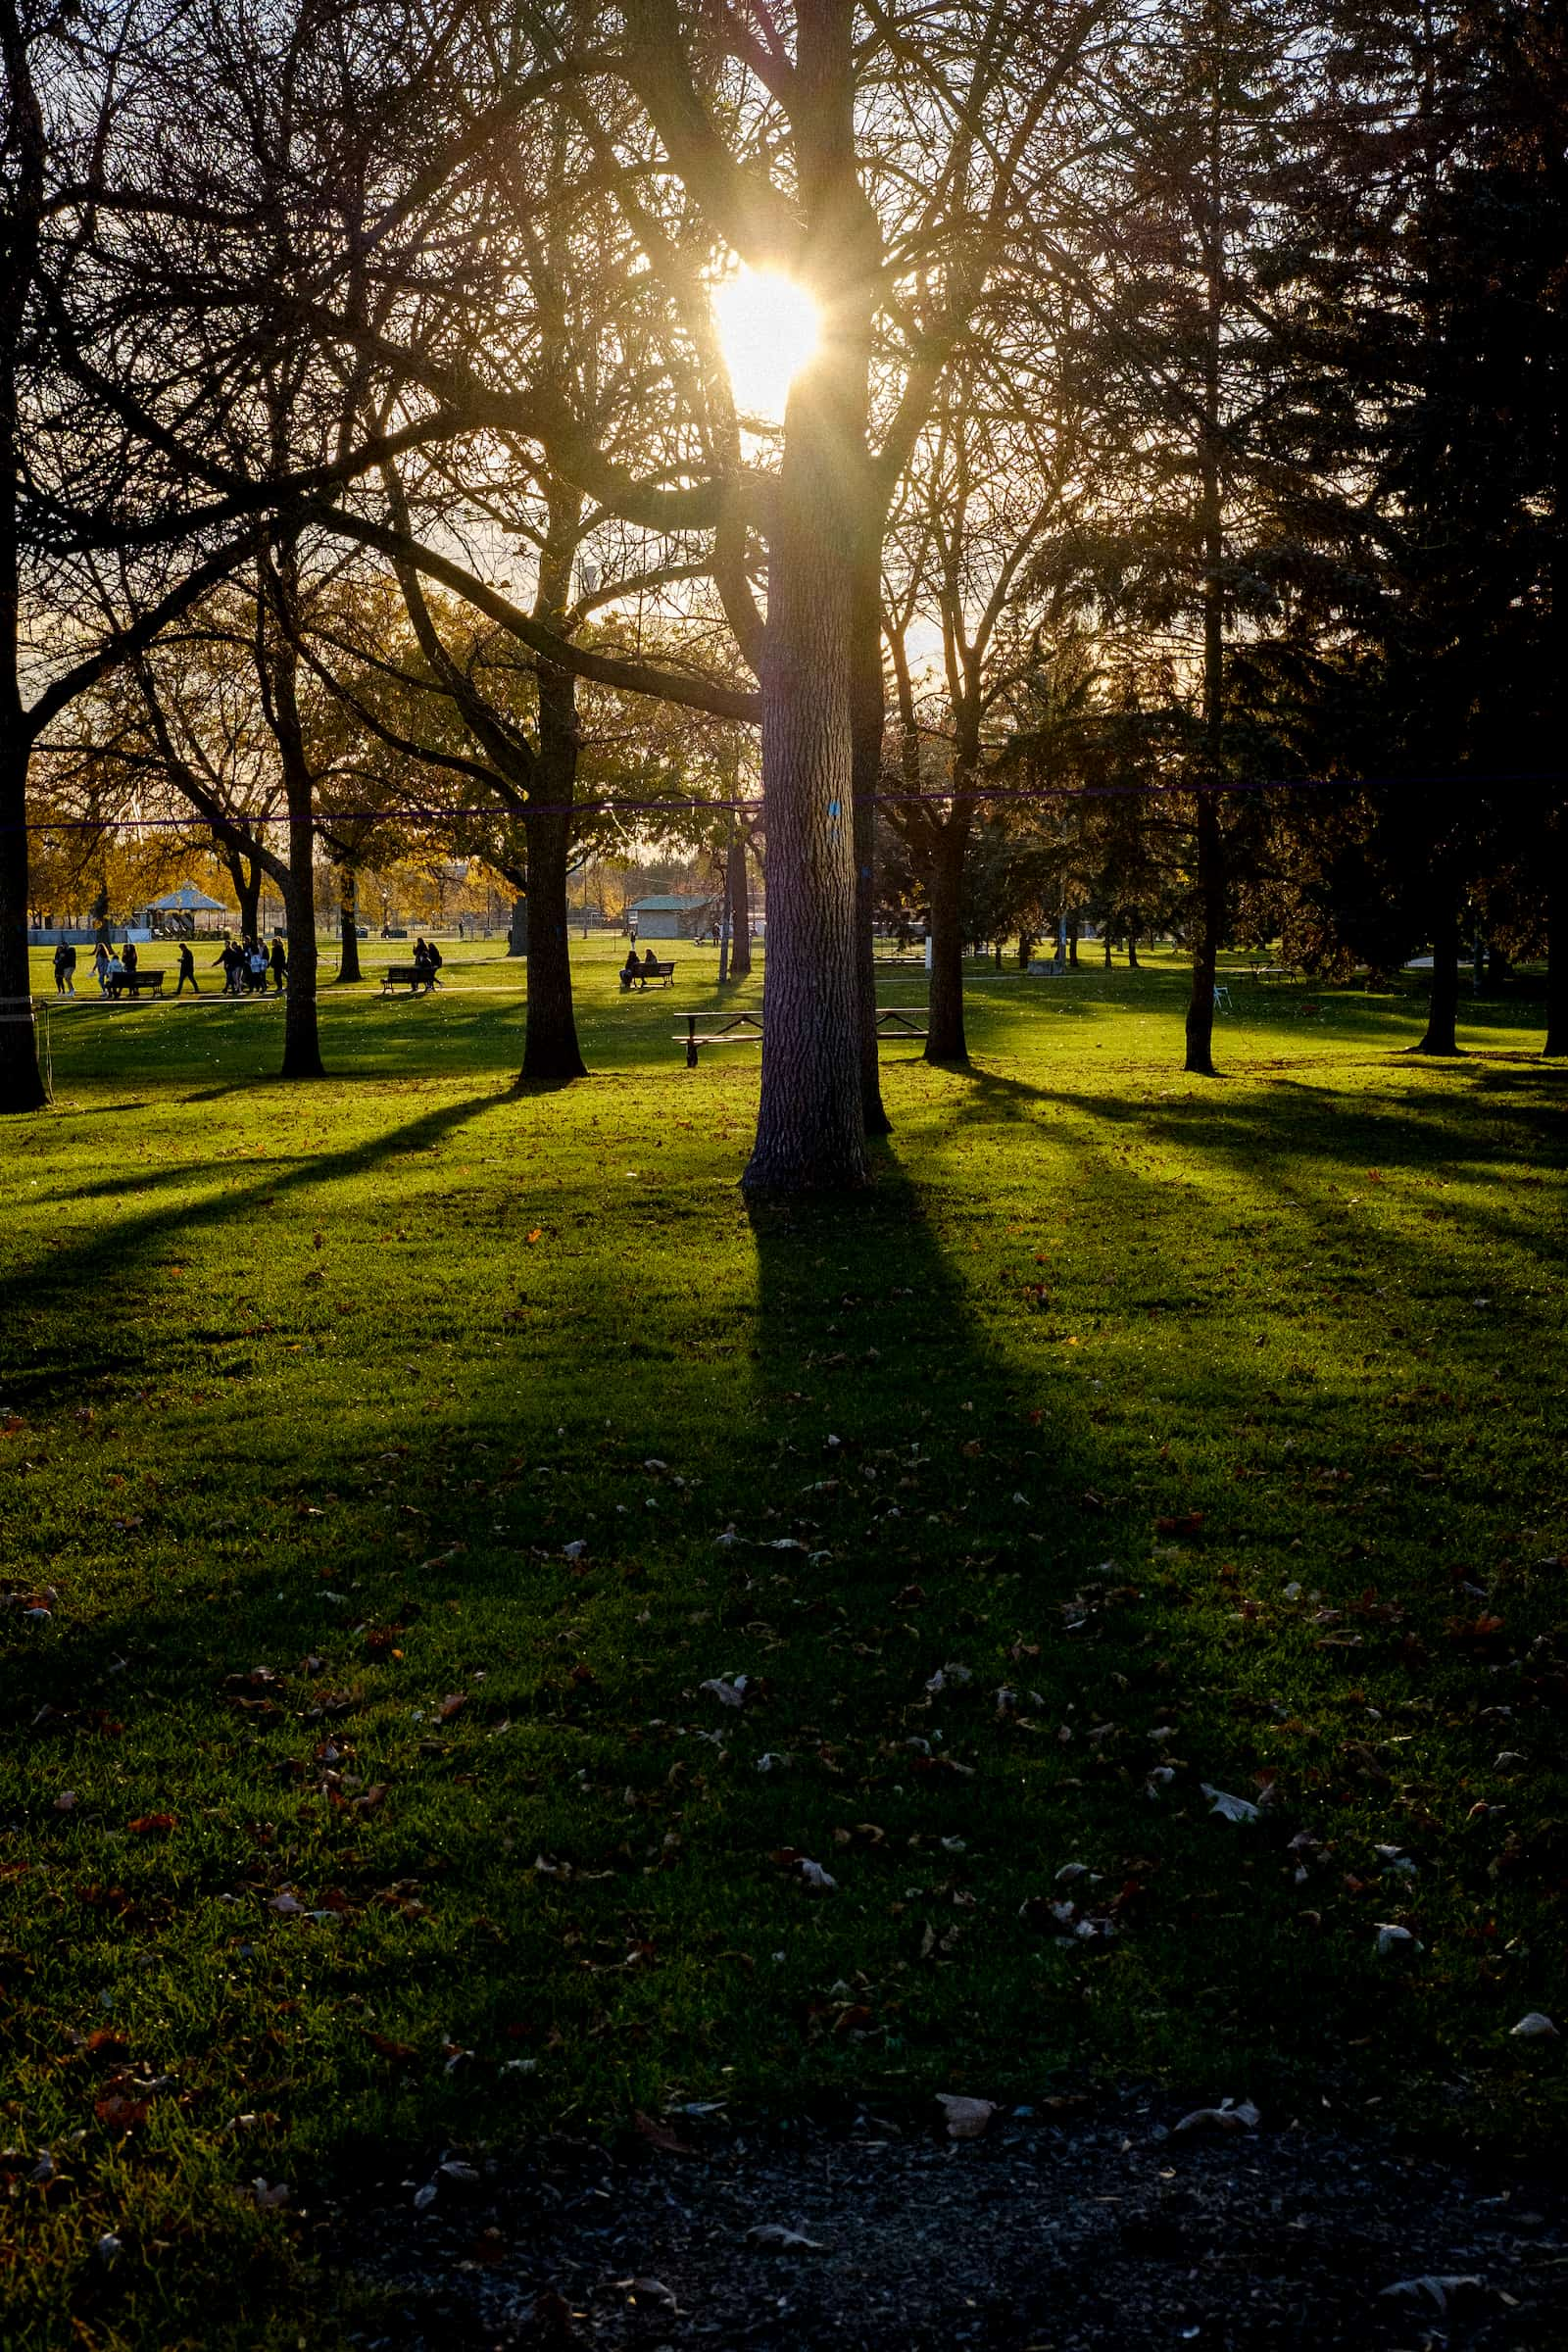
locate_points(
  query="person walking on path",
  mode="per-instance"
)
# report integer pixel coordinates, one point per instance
(100, 965)
(187, 970)
(280, 966)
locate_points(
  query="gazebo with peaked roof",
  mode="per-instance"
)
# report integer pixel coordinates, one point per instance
(176, 912)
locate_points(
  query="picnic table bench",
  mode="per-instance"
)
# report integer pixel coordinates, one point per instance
(131, 984)
(746, 1028)
(411, 976)
(662, 974)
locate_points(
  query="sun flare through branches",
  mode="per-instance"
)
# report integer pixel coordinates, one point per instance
(770, 329)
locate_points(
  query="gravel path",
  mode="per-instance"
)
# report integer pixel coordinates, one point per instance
(1097, 2228)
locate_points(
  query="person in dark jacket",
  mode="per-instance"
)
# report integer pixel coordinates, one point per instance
(280, 966)
(187, 969)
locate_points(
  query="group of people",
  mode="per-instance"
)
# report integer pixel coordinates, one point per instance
(427, 960)
(245, 964)
(645, 969)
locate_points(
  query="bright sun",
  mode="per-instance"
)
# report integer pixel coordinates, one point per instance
(770, 328)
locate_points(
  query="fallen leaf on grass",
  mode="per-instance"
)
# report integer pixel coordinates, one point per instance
(772, 2237)
(400, 2052)
(151, 1825)
(120, 2113)
(452, 1704)
(1187, 1523)
(269, 2196)
(1231, 2115)
(660, 2135)
(1394, 1938)
(1535, 2025)
(728, 1693)
(1230, 1808)
(967, 2119)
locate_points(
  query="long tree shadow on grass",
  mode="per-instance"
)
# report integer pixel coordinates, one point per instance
(819, 1449)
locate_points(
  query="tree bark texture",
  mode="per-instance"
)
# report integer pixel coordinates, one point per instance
(1442, 1008)
(1207, 930)
(348, 917)
(811, 1125)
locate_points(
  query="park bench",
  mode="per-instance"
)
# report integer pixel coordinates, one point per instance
(661, 975)
(899, 964)
(746, 1028)
(411, 976)
(131, 984)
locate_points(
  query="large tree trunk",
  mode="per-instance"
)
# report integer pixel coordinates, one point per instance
(246, 877)
(737, 885)
(1557, 937)
(867, 719)
(550, 1051)
(21, 1081)
(348, 917)
(281, 590)
(302, 1044)
(1210, 923)
(1442, 1010)
(811, 1125)
(944, 1038)
(1207, 930)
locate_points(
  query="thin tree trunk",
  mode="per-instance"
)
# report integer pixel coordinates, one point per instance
(1108, 950)
(1132, 952)
(944, 1039)
(1206, 932)
(302, 1044)
(1442, 1010)
(247, 883)
(738, 884)
(348, 914)
(278, 656)
(551, 1050)
(22, 1086)
(1072, 942)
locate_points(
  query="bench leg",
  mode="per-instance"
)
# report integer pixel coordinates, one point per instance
(691, 1042)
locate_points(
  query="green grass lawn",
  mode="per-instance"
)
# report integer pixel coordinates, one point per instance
(354, 1811)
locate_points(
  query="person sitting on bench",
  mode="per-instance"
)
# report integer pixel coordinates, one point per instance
(631, 969)
(651, 962)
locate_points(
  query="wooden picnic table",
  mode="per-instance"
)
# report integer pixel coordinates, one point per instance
(745, 1028)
